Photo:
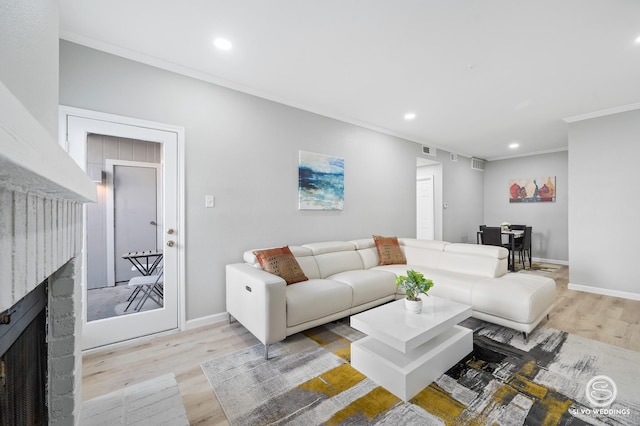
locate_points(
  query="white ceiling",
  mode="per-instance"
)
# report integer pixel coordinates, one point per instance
(478, 74)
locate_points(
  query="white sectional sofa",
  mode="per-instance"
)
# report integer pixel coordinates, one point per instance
(345, 277)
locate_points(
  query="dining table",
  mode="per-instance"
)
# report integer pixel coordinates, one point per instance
(513, 235)
(144, 262)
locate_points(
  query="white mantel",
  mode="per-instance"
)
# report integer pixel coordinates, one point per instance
(42, 191)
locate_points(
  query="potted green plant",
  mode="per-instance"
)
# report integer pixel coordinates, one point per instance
(413, 284)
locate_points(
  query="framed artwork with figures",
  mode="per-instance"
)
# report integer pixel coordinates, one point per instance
(532, 190)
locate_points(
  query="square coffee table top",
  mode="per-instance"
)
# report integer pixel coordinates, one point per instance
(395, 326)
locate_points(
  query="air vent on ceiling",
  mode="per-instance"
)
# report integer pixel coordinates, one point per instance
(477, 164)
(427, 150)
(453, 157)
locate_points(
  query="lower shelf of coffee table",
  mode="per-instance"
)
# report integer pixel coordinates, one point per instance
(406, 374)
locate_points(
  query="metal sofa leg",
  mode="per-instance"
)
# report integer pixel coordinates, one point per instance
(526, 337)
(266, 352)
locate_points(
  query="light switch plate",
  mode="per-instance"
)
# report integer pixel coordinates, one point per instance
(209, 201)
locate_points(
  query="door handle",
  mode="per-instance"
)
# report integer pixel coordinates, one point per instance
(170, 231)
(170, 243)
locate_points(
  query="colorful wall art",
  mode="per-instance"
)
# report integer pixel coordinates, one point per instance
(532, 190)
(320, 182)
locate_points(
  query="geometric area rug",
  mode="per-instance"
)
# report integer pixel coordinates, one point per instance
(308, 381)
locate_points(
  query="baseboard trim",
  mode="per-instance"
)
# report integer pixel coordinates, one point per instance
(604, 291)
(207, 320)
(554, 261)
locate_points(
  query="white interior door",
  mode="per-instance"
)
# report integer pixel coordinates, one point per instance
(120, 328)
(425, 208)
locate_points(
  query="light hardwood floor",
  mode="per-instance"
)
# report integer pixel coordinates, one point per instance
(607, 319)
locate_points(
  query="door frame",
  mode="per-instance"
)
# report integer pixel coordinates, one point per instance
(111, 165)
(79, 155)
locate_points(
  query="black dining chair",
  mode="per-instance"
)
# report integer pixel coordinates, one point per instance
(479, 235)
(523, 247)
(492, 236)
(518, 227)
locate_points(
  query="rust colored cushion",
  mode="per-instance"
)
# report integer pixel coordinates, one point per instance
(281, 262)
(389, 250)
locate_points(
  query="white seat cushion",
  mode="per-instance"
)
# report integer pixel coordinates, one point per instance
(368, 285)
(521, 298)
(316, 298)
(450, 285)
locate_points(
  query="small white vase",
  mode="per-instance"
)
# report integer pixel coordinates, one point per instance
(413, 306)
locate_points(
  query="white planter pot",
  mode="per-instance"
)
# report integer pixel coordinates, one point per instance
(413, 306)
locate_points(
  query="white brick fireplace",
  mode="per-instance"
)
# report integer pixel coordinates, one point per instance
(42, 192)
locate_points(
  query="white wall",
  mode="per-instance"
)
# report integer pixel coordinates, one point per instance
(29, 52)
(549, 220)
(603, 210)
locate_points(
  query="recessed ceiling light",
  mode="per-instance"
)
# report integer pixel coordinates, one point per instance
(410, 116)
(222, 44)
(514, 145)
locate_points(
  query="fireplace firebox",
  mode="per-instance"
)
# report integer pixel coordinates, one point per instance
(23, 361)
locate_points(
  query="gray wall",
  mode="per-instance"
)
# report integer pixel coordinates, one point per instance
(29, 52)
(462, 189)
(603, 209)
(244, 150)
(550, 240)
(463, 192)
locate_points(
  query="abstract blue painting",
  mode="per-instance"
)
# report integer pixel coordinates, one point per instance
(320, 182)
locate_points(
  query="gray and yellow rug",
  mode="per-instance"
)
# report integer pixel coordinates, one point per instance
(308, 381)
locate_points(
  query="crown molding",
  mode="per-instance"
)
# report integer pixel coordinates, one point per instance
(602, 113)
(528, 154)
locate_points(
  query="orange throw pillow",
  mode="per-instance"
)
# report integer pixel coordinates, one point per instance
(281, 262)
(389, 251)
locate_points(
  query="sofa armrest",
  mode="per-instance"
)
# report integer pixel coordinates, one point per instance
(257, 299)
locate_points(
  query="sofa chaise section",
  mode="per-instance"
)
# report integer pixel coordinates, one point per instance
(345, 277)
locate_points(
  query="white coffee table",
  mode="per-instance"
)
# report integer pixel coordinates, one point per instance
(404, 352)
